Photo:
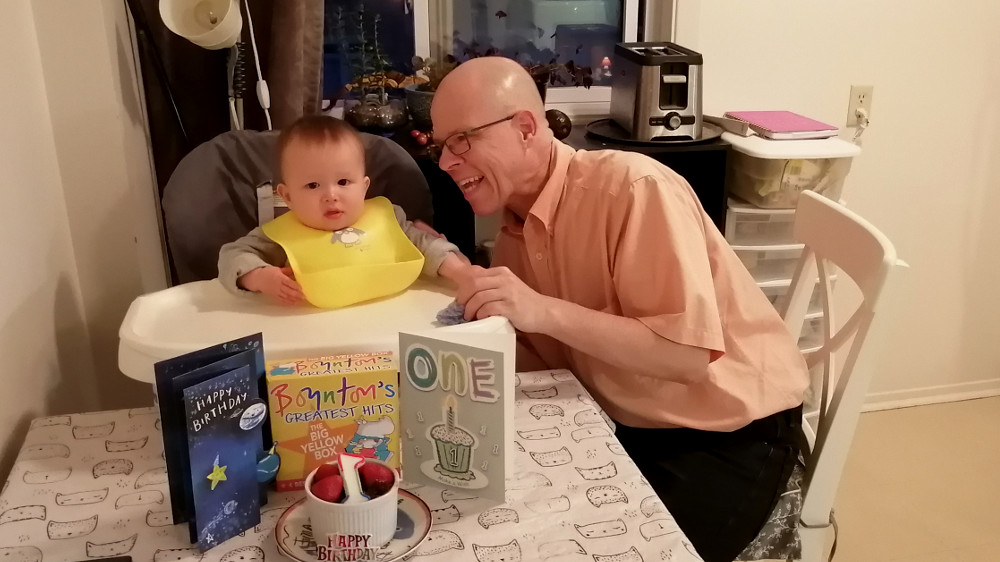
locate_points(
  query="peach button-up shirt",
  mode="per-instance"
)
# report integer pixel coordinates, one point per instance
(620, 233)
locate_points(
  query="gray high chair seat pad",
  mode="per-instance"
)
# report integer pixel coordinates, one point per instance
(211, 197)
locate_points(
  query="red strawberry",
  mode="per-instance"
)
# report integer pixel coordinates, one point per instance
(329, 489)
(326, 470)
(376, 479)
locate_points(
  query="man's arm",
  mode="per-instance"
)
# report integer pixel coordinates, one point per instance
(668, 325)
(623, 342)
(618, 340)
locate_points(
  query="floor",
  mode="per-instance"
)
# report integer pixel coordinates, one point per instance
(922, 484)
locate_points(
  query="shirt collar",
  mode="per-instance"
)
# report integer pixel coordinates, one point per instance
(544, 208)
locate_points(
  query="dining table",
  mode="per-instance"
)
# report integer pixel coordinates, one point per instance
(92, 486)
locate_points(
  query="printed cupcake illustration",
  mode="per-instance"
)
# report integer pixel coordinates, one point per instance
(453, 445)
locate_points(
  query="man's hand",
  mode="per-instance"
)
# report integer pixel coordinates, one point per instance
(498, 292)
(421, 225)
(276, 282)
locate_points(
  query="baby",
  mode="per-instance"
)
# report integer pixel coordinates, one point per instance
(322, 166)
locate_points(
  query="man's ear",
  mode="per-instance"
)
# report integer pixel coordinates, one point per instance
(526, 124)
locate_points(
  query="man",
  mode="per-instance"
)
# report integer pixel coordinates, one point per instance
(607, 265)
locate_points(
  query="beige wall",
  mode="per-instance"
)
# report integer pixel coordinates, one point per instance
(100, 140)
(929, 173)
(79, 218)
(47, 361)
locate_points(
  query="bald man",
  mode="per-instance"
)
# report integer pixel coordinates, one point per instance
(607, 265)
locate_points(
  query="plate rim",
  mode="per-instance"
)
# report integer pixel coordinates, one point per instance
(417, 499)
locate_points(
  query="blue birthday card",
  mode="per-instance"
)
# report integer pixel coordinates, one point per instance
(223, 424)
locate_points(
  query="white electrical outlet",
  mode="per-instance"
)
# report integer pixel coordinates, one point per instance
(861, 98)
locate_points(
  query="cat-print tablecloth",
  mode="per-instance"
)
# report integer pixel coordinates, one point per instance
(575, 494)
(93, 485)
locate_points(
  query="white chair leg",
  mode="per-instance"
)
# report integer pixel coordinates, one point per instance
(814, 543)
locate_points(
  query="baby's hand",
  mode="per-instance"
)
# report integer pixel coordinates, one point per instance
(456, 268)
(277, 282)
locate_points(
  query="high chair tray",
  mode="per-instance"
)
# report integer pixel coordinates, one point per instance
(195, 315)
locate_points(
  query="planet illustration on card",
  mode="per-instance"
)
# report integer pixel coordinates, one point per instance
(253, 416)
(267, 467)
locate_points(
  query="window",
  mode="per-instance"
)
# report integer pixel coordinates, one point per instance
(529, 31)
(343, 22)
(539, 32)
(533, 32)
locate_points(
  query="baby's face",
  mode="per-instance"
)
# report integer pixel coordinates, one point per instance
(324, 183)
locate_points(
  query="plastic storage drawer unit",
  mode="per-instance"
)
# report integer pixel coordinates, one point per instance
(770, 263)
(774, 292)
(747, 225)
(771, 174)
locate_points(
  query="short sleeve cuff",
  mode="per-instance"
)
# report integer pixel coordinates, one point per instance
(678, 329)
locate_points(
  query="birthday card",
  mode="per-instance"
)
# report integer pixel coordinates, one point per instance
(214, 430)
(457, 407)
(222, 414)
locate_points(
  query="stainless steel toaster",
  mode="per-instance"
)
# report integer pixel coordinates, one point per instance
(656, 91)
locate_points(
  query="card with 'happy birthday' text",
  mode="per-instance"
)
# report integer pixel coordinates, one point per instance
(213, 417)
(222, 414)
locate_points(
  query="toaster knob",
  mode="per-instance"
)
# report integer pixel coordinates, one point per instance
(673, 122)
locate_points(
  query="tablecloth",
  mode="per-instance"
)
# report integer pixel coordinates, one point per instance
(94, 485)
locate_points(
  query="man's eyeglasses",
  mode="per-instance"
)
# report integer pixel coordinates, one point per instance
(458, 143)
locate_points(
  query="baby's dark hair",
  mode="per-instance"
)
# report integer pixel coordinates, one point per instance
(317, 129)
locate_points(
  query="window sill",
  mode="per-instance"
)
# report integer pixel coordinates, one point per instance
(579, 113)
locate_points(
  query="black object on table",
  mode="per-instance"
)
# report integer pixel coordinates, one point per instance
(702, 164)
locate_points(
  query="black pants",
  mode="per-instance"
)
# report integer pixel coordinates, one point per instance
(719, 486)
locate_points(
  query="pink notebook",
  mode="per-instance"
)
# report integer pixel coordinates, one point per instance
(781, 125)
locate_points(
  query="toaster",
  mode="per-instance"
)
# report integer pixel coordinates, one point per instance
(656, 91)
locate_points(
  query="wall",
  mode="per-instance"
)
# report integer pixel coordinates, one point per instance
(47, 361)
(928, 173)
(103, 158)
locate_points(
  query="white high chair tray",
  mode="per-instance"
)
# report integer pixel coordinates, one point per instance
(195, 315)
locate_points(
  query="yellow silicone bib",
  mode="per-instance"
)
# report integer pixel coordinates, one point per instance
(373, 258)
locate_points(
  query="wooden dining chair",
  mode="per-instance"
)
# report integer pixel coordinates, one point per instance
(834, 237)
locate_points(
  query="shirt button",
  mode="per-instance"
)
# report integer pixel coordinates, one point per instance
(538, 256)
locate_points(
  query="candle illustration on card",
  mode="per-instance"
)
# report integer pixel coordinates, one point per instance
(453, 445)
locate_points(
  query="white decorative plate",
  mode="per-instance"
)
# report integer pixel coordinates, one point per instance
(295, 540)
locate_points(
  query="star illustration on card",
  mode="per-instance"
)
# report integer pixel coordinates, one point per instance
(315, 453)
(218, 473)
